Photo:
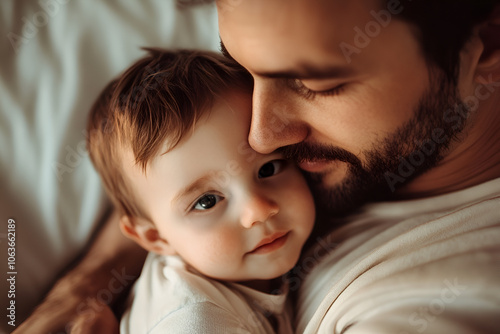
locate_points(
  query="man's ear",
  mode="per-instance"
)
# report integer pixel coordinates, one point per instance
(488, 67)
(145, 234)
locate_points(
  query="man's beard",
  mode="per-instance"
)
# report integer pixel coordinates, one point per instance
(372, 181)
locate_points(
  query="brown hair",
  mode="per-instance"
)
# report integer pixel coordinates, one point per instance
(444, 27)
(153, 104)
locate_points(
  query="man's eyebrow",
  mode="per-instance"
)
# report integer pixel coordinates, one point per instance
(309, 72)
(199, 183)
(306, 71)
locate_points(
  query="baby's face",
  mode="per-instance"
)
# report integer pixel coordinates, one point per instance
(228, 211)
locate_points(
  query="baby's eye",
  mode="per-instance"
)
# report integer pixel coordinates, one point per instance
(271, 168)
(207, 201)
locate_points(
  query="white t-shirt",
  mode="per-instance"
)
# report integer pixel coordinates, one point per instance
(171, 297)
(419, 266)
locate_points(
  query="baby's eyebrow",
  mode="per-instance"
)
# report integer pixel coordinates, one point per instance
(200, 183)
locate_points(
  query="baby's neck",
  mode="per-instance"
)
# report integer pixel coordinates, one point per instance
(266, 286)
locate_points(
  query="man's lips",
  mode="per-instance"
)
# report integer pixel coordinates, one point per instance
(315, 166)
(270, 243)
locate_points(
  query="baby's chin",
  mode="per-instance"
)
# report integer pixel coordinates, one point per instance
(267, 270)
(278, 270)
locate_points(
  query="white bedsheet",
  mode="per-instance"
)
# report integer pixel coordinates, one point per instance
(56, 56)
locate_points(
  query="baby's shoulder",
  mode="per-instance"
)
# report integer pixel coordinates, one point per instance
(168, 295)
(201, 317)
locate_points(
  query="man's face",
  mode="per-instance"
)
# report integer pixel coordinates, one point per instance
(340, 87)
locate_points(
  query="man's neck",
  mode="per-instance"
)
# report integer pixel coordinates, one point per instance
(472, 161)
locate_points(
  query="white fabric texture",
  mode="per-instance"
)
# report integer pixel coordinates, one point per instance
(171, 297)
(420, 266)
(56, 56)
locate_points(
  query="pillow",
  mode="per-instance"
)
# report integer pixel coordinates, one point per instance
(57, 55)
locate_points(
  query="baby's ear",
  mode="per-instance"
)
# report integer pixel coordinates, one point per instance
(143, 232)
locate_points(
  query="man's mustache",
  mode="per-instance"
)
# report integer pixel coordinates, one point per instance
(301, 152)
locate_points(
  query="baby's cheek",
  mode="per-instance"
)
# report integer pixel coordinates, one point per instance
(219, 255)
(217, 249)
(227, 244)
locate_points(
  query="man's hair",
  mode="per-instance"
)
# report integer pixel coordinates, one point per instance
(444, 27)
(149, 109)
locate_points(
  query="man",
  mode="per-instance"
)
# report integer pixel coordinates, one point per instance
(377, 100)
(374, 108)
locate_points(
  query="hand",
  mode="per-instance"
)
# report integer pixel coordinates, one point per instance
(80, 301)
(62, 313)
(98, 318)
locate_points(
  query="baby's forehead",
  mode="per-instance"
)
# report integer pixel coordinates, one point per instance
(128, 161)
(219, 132)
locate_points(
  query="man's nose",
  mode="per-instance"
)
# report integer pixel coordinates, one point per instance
(275, 120)
(258, 209)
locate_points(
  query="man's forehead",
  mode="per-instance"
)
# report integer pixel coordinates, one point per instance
(301, 70)
(298, 41)
(285, 16)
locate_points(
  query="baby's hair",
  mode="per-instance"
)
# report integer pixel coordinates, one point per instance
(150, 107)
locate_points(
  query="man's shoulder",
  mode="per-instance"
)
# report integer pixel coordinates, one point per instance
(405, 252)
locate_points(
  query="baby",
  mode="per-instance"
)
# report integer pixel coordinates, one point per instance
(223, 223)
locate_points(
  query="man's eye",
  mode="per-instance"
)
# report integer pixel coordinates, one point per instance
(207, 202)
(271, 168)
(308, 93)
